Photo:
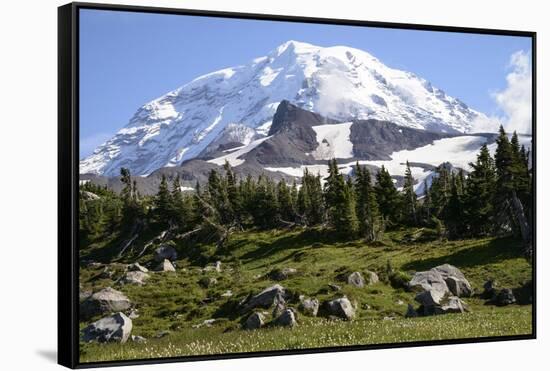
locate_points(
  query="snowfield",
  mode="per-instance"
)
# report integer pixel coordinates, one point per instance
(333, 141)
(233, 157)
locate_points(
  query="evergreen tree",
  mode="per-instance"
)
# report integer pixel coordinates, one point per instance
(286, 204)
(410, 199)
(366, 207)
(340, 202)
(163, 203)
(387, 196)
(480, 187)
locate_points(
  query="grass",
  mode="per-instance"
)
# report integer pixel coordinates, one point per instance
(176, 302)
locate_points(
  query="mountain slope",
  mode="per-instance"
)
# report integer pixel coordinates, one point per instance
(338, 82)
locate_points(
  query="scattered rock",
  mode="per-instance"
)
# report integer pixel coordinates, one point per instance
(205, 323)
(135, 278)
(452, 304)
(504, 297)
(334, 287)
(309, 307)
(356, 279)
(138, 339)
(430, 298)
(207, 282)
(282, 274)
(162, 334)
(165, 252)
(372, 278)
(227, 294)
(136, 267)
(104, 301)
(286, 319)
(341, 308)
(428, 281)
(165, 266)
(218, 266)
(254, 321)
(267, 298)
(411, 312)
(455, 279)
(134, 314)
(116, 328)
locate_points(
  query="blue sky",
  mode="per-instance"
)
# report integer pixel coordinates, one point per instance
(128, 59)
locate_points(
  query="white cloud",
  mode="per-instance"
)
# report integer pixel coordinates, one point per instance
(90, 143)
(515, 99)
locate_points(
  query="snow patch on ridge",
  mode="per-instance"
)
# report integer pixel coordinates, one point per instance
(233, 157)
(334, 141)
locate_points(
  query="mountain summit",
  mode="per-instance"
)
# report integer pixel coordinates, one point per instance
(339, 82)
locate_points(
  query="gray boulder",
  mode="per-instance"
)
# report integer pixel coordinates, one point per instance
(282, 274)
(267, 298)
(165, 266)
(115, 328)
(429, 280)
(430, 299)
(455, 279)
(504, 297)
(310, 307)
(286, 319)
(254, 321)
(165, 252)
(105, 301)
(341, 308)
(356, 279)
(136, 267)
(135, 278)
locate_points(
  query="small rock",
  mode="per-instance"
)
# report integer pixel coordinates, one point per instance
(372, 278)
(165, 266)
(115, 328)
(505, 297)
(207, 282)
(286, 319)
(165, 252)
(341, 308)
(227, 294)
(254, 321)
(135, 278)
(218, 266)
(334, 287)
(356, 279)
(452, 304)
(400, 302)
(138, 339)
(162, 334)
(136, 267)
(134, 314)
(205, 323)
(282, 274)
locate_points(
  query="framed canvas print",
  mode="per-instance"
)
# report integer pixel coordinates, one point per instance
(236, 185)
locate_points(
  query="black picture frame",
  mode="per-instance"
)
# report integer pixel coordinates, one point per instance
(68, 177)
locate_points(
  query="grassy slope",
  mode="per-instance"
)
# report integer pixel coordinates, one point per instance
(175, 301)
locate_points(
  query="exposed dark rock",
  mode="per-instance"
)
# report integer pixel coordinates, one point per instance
(254, 321)
(340, 308)
(165, 252)
(115, 328)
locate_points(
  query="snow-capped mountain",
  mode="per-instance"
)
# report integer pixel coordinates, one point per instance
(338, 82)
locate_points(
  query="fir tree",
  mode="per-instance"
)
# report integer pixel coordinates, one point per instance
(367, 207)
(387, 196)
(340, 202)
(163, 203)
(410, 199)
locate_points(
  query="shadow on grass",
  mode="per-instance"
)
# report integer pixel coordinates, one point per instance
(294, 241)
(492, 252)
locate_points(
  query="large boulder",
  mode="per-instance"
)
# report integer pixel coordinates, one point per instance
(254, 321)
(489, 290)
(105, 301)
(340, 307)
(115, 328)
(455, 279)
(165, 266)
(265, 299)
(428, 281)
(356, 279)
(411, 312)
(282, 274)
(310, 307)
(135, 278)
(165, 252)
(286, 319)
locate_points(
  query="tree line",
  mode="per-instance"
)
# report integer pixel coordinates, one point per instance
(493, 198)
